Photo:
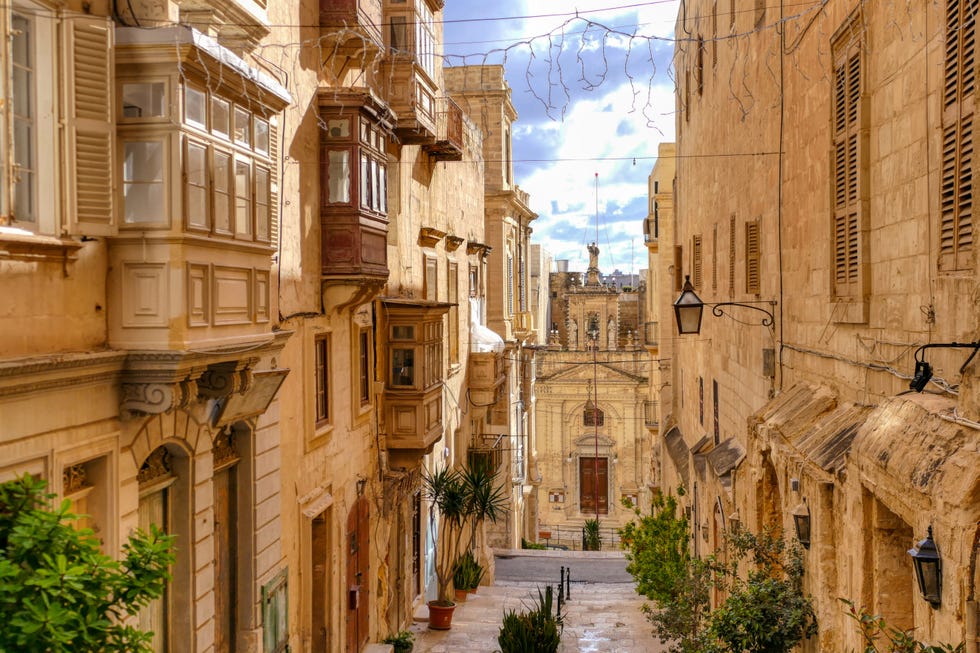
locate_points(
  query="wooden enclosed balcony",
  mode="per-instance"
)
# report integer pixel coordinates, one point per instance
(651, 416)
(412, 97)
(351, 27)
(448, 145)
(487, 374)
(651, 234)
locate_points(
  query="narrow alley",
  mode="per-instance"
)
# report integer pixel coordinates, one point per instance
(603, 614)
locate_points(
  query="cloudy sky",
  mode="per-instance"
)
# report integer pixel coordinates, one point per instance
(594, 94)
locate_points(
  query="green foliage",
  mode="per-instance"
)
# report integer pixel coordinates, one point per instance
(525, 544)
(765, 611)
(592, 541)
(657, 549)
(403, 641)
(536, 631)
(58, 591)
(463, 499)
(468, 572)
(880, 637)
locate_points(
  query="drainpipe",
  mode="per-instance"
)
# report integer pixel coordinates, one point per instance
(971, 599)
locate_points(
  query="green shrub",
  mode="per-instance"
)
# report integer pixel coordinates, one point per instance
(532, 545)
(468, 573)
(535, 631)
(591, 540)
(874, 628)
(403, 641)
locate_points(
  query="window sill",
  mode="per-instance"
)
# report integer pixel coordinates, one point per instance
(22, 245)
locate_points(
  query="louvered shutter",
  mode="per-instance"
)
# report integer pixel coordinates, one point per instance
(86, 49)
(697, 262)
(753, 251)
(849, 176)
(959, 85)
(731, 256)
(276, 179)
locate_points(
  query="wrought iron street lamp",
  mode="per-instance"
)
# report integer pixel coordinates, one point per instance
(928, 569)
(801, 523)
(689, 308)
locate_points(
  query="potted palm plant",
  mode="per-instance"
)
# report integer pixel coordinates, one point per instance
(460, 500)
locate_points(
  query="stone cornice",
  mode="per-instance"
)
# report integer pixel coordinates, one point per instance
(42, 373)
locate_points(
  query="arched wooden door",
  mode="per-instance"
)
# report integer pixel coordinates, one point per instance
(358, 578)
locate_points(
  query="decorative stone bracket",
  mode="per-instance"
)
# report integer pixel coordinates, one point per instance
(155, 391)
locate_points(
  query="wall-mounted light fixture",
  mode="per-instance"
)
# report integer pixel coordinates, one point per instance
(923, 370)
(801, 523)
(928, 569)
(689, 308)
(361, 482)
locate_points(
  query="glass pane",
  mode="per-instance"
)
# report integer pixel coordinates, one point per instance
(403, 333)
(338, 128)
(222, 188)
(383, 193)
(144, 202)
(243, 123)
(143, 161)
(24, 197)
(376, 189)
(403, 367)
(196, 173)
(338, 176)
(143, 100)
(243, 193)
(261, 135)
(194, 107)
(20, 41)
(261, 204)
(365, 181)
(220, 116)
(23, 82)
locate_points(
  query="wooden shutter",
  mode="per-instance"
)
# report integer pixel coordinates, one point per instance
(731, 256)
(714, 257)
(274, 186)
(848, 173)
(959, 85)
(88, 171)
(753, 257)
(696, 265)
(678, 268)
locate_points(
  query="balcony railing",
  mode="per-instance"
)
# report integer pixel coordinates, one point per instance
(449, 132)
(651, 416)
(651, 334)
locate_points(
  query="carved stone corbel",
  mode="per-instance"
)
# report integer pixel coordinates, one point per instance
(225, 379)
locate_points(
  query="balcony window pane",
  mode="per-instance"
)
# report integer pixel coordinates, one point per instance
(24, 118)
(398, 35)
(403, 332)
(376, 187)
(338, 176)
(220, 117)
(143, 100)
(365, 181)
(196, 185)
(383, 193)
(243, 127)
(143, 188)
(221, 192)
(243, 199)
(195, 111)
(262, 180)
(403, 367)
(261, 128)
(338, 128)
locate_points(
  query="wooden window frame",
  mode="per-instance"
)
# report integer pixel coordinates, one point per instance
(753, 257)
(322, 403)
(365, 349)
(697, 261)
(453, 298)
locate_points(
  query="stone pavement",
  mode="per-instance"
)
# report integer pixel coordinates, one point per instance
(600, 618)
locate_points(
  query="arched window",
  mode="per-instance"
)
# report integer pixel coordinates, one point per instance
(592, 416)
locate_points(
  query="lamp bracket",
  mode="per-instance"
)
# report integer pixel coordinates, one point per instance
(717, 310)
(975, 346)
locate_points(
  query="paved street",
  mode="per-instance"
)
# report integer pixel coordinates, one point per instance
(603, 615)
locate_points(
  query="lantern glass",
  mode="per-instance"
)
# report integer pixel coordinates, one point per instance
(688, 309)
(928, 569)
(801, 522)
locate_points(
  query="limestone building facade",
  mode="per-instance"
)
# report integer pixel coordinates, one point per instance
(240, 290)
(832, 187)
(591, 389)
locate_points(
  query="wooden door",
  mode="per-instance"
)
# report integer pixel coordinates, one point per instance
(225, 559)
(319, 561)
(154, 509)
(593, 481)
(358, 578)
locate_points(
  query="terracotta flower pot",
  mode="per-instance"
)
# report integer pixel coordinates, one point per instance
(441, 615)
(460, 595)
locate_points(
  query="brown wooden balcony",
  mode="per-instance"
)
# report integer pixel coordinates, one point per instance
(651, 234)
(351, 27)
(487, 374)
(449, 132)
(651, 415)
(412, 97)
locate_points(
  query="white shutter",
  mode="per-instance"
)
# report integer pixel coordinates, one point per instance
(86, 49)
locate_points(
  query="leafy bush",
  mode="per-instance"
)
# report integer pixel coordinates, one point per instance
(403, 641)
(58, 592)
(525, 544)
(535, 631)
(591, 539)
(874, 628)
(468, 572)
